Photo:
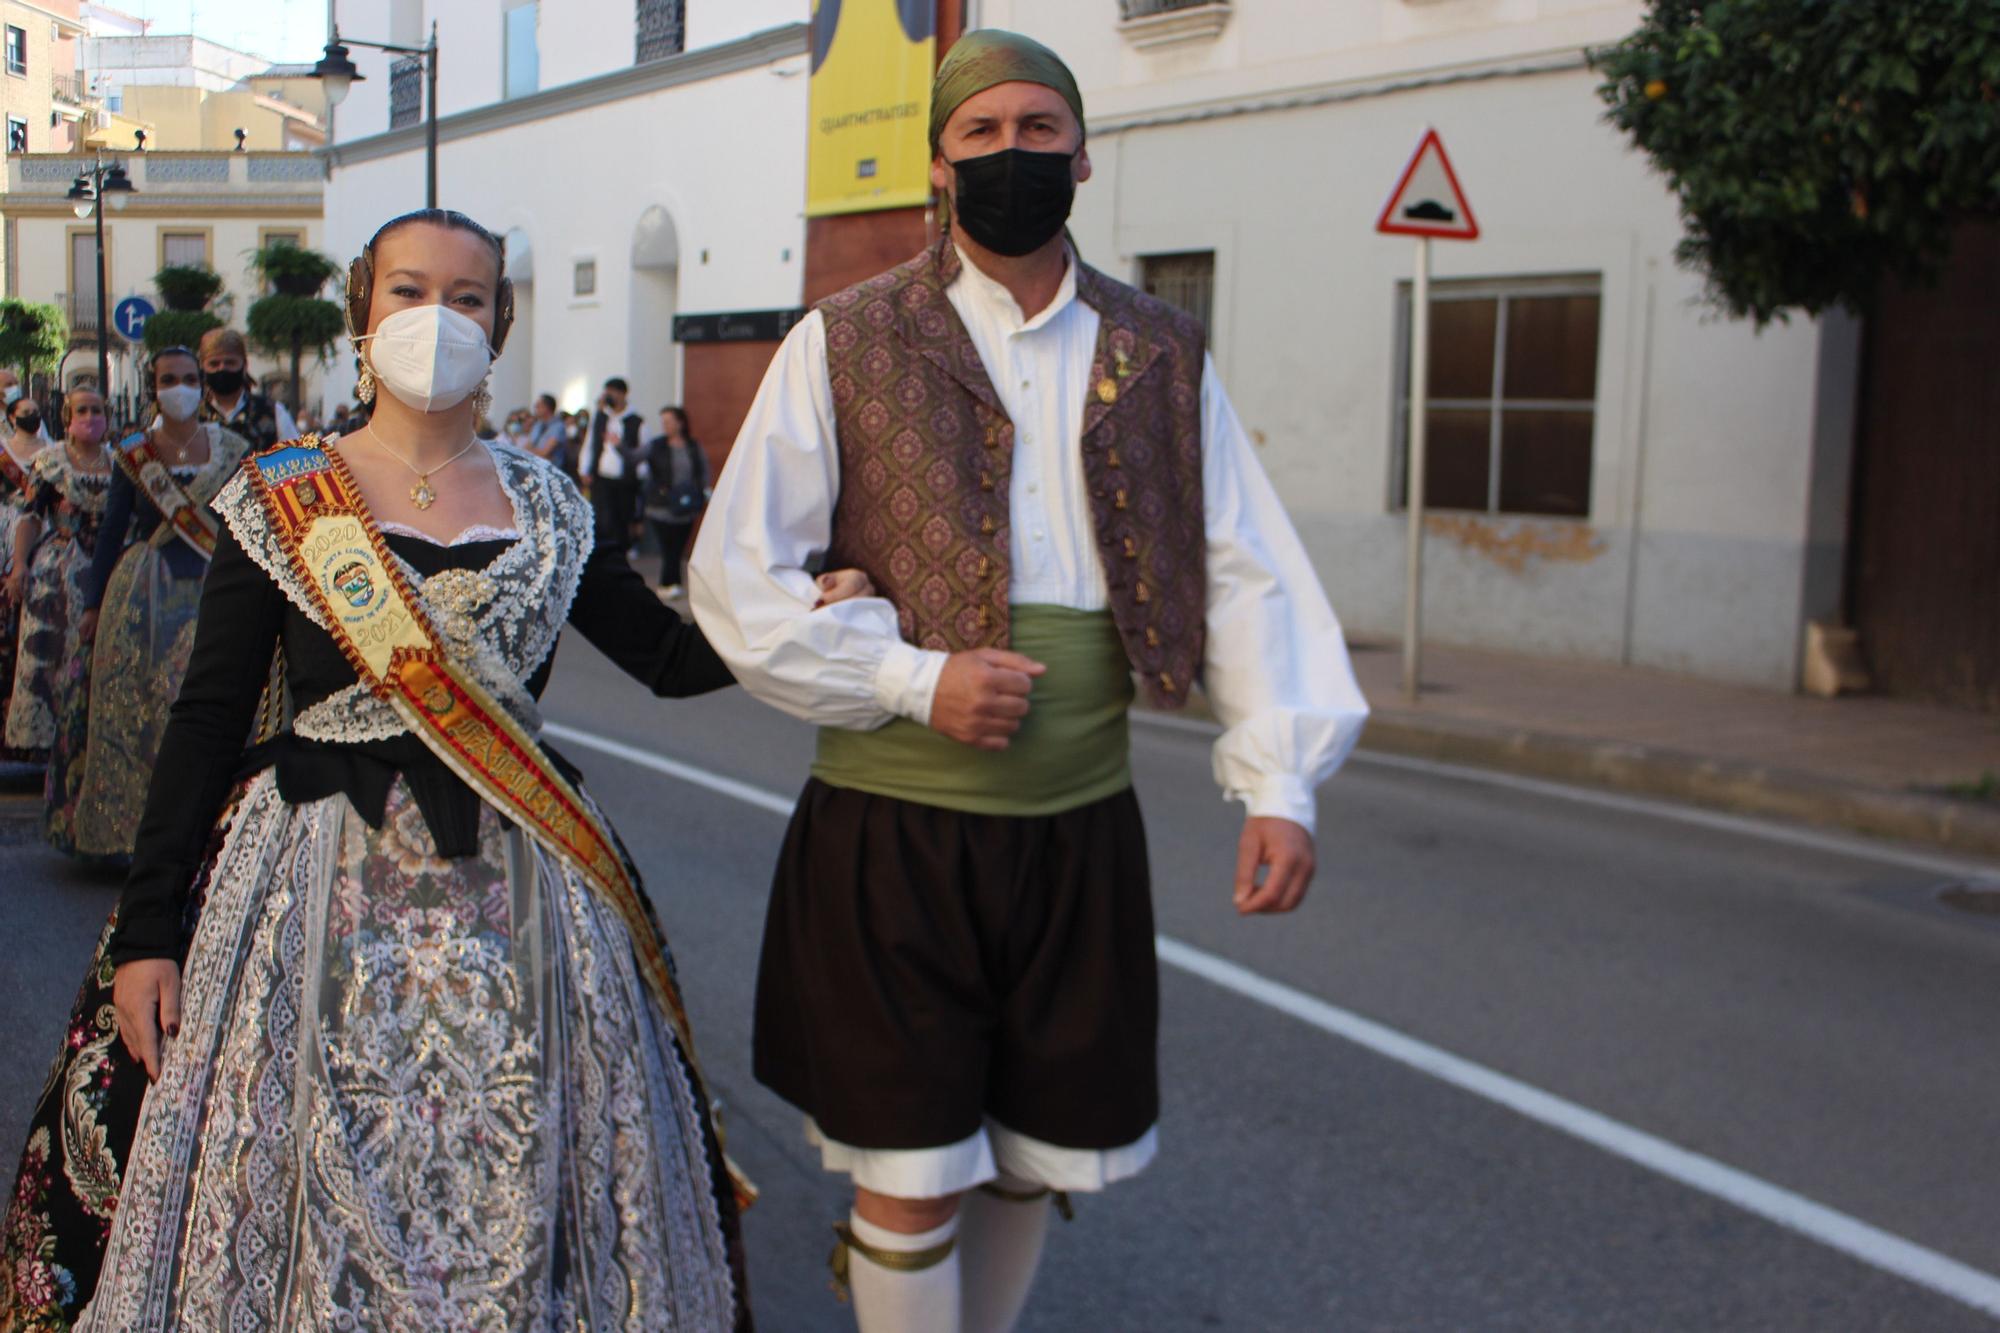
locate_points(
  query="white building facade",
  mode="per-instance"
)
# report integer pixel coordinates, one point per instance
(1619, 474)
(641, 162)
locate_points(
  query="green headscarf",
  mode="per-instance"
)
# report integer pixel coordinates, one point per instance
(989, 56)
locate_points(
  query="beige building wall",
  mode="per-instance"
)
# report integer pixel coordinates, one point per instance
(183, 119)
(226, 204)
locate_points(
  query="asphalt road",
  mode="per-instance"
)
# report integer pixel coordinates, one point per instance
(1800, 1012)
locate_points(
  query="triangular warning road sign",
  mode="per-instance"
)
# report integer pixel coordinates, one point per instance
(1428, 200)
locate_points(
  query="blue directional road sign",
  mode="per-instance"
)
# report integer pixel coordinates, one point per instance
(130, 317)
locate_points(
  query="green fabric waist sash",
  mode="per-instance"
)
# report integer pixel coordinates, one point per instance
(1072, 747)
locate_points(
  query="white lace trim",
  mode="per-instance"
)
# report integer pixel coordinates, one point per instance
(499, 621)
(478, 532)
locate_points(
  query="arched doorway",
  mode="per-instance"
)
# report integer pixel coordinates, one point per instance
(513, 382)
(652, 358)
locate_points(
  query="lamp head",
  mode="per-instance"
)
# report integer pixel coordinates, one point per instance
(336, 72)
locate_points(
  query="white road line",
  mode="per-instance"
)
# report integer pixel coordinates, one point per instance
(1836, 1230)
(673, 768)
(1873, 1246)
(1811, 839)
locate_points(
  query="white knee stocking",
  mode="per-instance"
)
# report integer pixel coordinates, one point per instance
(900, 1283)
(1000, 1236)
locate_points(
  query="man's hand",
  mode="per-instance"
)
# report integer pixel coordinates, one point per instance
(147, 995)
(1284, 851)
(86, 625)
(982, 695)
(15, 587)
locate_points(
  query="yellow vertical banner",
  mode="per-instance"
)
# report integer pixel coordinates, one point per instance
(869, 141)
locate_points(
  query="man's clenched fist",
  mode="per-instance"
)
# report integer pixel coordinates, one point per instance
(982, 695)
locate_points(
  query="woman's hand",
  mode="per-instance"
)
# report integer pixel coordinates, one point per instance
(15, 587)
(147, 995)
(842, 585)
(86, 626)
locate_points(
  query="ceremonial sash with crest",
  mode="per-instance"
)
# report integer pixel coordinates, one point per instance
(189, 521)
(338, 556)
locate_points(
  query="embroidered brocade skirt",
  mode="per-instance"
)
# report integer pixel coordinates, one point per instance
(145, 634)
(51, 699)
(10, 638)
(414, 1094)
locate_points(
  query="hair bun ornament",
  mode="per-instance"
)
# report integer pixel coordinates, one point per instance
(360, 288)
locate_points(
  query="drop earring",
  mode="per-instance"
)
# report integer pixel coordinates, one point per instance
(364, 388)
(482, 399)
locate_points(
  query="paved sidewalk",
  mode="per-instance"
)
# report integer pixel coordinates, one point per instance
(1889, 767)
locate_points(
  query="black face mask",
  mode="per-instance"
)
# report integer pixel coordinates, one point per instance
(1013, 202)
(28, 422)
(226, 383)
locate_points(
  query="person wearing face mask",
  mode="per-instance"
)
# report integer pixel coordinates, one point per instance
(1039, 469)
(142, 591)
(611, 460)
(49, 707)
(229, 394)
(397, 924)
(18, 453)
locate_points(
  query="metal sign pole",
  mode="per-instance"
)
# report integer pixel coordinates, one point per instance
(1420, 345)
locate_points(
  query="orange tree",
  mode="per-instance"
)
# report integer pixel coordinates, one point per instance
(1815, 146)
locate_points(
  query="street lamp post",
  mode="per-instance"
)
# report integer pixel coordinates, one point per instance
(337, 74)
(101, 182)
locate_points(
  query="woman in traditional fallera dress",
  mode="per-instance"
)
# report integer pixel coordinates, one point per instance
(424, 1067)
(53, 545)
(141, 598)
(20, 445)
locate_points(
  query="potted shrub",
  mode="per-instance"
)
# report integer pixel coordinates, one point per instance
(293, 318)
(187, 286)
(185, 290)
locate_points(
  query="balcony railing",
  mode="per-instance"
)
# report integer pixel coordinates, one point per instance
(71, 88)
(1138, 9)
(80, 309)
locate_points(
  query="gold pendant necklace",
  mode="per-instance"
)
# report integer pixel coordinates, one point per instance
(423, 495)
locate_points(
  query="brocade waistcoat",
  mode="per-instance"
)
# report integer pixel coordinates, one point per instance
(927, 451)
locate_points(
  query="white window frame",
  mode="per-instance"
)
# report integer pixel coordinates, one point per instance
(1496, 402)
(12, 32)
(12, 121)
(507, 11)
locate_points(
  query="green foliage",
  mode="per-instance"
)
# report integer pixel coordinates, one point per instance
(178, 328)
(33, 335)
(293, 269)
(187, 286)
(279, 324)
(1816, 146)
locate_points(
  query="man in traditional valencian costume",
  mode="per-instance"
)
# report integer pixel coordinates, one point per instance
(1038, 468)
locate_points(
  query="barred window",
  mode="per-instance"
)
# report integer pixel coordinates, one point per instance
(406, 92)
(1138, 9)
(661, 29)
(1186, 280)
(1511, 408)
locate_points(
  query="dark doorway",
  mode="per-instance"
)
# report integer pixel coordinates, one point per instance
(1925, 588)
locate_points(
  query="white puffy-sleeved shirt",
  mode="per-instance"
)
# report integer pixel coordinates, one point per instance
(1276, 669)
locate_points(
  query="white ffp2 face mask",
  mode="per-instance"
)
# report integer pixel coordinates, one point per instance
(429, 357)
(180, 401)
